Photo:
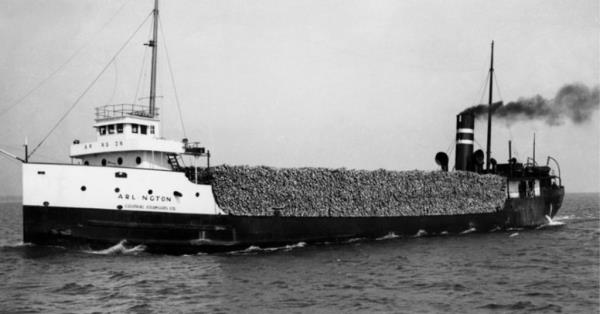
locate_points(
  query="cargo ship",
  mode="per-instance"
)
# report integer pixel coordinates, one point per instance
(129, 184)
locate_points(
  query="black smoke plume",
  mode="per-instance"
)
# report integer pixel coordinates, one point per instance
(576, 102)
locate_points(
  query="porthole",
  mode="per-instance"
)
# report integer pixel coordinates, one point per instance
(87, 163)
(138, 160)
(117, 190)
(119, 207)
(150, 192)
(120, 161)
(83, 188)
(197, 194)
(103, 162)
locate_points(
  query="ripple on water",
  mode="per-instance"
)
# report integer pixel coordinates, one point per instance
(73, 288)
(523, 306)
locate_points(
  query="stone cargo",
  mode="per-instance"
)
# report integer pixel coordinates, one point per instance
(267, 191)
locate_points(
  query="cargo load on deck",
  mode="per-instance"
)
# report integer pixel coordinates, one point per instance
(318, 192)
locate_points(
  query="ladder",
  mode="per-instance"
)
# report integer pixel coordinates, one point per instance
(174, 162)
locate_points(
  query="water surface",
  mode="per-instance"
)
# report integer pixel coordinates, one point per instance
(553, 269)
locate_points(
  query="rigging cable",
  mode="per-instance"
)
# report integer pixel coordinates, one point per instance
(142, 71)
(139, 81)
(62, 66)
(479, 145)
(450, 148)
(89, 86)
(497, 85)
(485, 82)
(172, 77)
(115, 83)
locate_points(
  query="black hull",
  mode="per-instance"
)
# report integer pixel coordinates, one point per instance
(189, 233)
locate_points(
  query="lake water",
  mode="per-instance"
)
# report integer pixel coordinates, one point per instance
(552, 269)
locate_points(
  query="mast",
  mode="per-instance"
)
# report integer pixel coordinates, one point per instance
(489, 130)
(153, 44)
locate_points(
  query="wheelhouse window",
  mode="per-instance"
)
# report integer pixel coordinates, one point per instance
(151, 129)
(536, 188)
(143, 129)
(111, 129)
(120, 128)
(513, 189)
(134, 128)
(102, 130)
(524, 189)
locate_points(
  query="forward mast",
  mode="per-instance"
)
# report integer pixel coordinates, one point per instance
(153, 44)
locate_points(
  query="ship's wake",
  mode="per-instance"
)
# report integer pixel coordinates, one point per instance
(24, 247)
(388, 236)
(257, 249)
(351, 240)
(564, 217)
(470, 230)
(120, 248)
(551, 223)
(420, 233)
(18, 245)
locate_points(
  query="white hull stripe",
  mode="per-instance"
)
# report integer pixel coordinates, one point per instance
(470, 131)
(468, 142)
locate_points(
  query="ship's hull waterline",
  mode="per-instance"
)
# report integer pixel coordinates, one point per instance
(189, 233)
(101, 206)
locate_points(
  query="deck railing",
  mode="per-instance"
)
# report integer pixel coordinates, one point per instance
(123, 110)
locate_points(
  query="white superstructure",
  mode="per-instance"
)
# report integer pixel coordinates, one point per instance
(128, 167)
(127, 136)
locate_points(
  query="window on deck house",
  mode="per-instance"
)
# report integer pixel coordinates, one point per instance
(143, 129)
(111, 129)
(120, 128)
(134, 128)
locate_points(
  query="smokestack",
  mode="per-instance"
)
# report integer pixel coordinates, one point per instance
(465, 135)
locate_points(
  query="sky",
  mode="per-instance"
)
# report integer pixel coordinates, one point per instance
(328, 83)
